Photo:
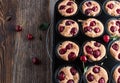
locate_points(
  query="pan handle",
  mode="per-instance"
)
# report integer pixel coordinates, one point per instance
(49, 42)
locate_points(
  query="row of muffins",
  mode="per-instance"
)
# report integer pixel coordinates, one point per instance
(95, 51)
(94, 74)
(91, 27)
(89, 8)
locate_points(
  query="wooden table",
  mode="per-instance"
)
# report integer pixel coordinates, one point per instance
(15, 50)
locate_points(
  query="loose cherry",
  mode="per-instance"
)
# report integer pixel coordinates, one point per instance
(30, 37)
(18, 28)
(35, 61)
(106, 38)
(83, 58)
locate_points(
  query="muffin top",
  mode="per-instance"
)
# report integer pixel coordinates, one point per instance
(68, 50)
(91, 8)
(92, 27)
(116, 74)
(113, 8)
(67, 8)
(115, 50)
(68, 74)
(113, 27)
(68, 28)
(96, 74)
(95, 51)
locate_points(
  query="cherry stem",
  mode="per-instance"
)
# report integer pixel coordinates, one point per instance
(113, 37)
(23, 23)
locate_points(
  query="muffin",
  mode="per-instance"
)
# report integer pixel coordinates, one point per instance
(113, 27)
(68, 28)
(96, 74)
(116, 74)
(68, 74)
(68, 50)
(115, 50)
(113, 8)
(67, 8)
(95, 51)
(92, 27)
(91, 8)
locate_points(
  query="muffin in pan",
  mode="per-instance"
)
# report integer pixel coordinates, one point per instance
(91, 8)
(92, 27)
(67, 8)
(94, 50)
(113, 27)
(68, 74)
(116, 74)
(112, 7)
(68, 50)
(96, 74)
(115, 50)
(68, 28)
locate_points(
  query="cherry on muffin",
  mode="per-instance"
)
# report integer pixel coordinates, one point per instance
(96, 71)
(68, 50)
(67, 8)
(91, 8)
(68, 74)
(114, 50)
(92, 27)
(94, 50)
(68, 28)
(112, 7)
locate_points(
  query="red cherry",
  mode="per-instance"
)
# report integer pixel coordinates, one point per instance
(70, 81)
(83, 58)
(101, 80)
(119, 30)
(95, 8)
(73, 31)
(73, 71)
(35, 61)
(119, 55)
(69, 3)
(115, 46)
(97, 30)
(118, 11)
(106, 38)
(89, 50)
(69, 46)
(89, 4)
(97, 44)
(88, 11)
(96, 53)
(113, 28)
(92, 23)
(61, 28)
(111, 6)
(18, 28)
(90, 77)
(118, 81)
(62, 51)
(119, 70)
(61, 76)
(62, 7)
(96, 69)
(69, 22)
(30, 37)
(118, 23)
(72, 56)
(70, 10)
(88, 28)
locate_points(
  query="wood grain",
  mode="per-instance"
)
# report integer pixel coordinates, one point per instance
(15, 50)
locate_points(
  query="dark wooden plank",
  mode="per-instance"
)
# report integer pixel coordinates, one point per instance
(15, 50)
